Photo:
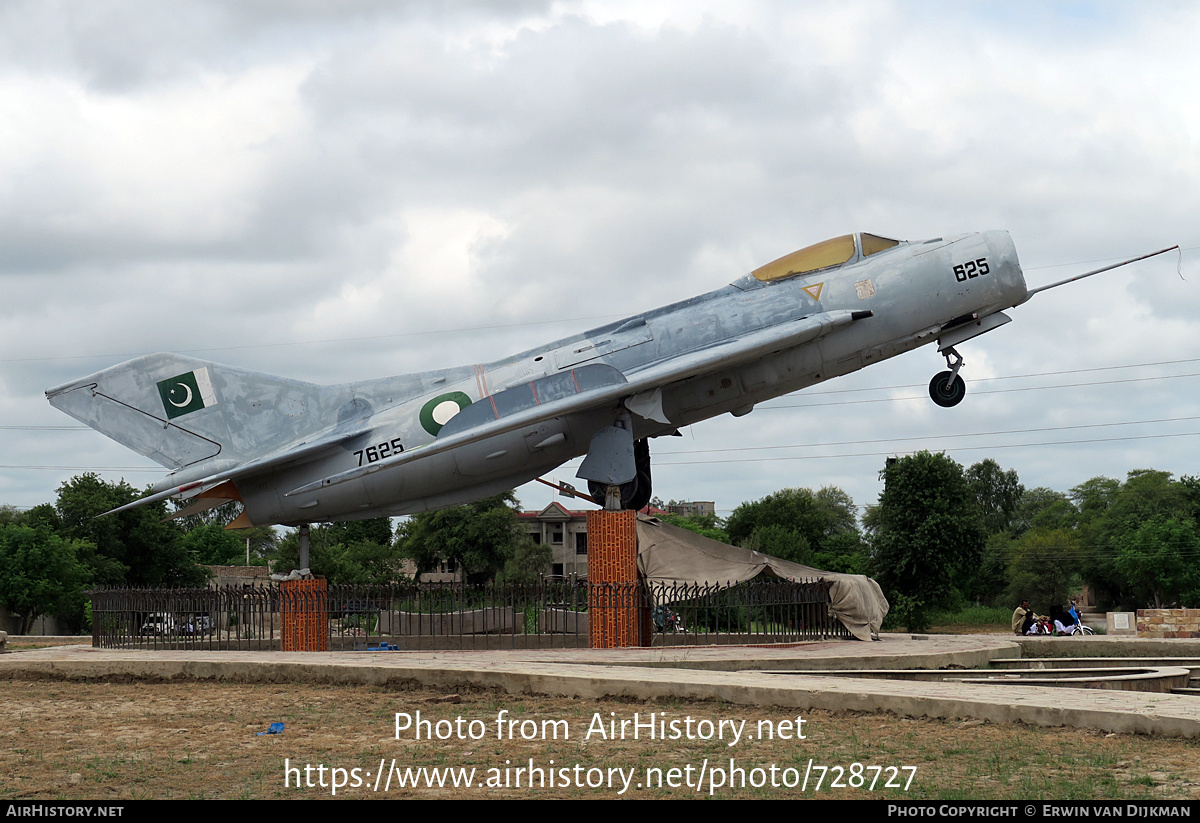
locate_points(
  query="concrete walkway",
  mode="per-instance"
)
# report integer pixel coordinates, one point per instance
(733, 674)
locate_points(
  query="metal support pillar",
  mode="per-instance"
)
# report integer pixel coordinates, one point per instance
(303, 533)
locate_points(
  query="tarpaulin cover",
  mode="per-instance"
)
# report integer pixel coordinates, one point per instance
(675, 556)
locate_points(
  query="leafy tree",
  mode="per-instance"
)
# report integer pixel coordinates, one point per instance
(377, 530)
(479, 537)
(791, 510)
(39, 573)
(1149, 515)
(1094, 496)
(708, 525)
(998, 493)
(356, 552)
(927, 528)
(798, 525)
(211, 545)
(135, 547)
(1044, 567)
(1159, 562)
(263, 539)
(528, 563)
(1044, 508)
(779, 541)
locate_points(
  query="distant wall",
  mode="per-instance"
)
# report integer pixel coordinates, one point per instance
(238, 575)
(44, 625)
(1168, 622)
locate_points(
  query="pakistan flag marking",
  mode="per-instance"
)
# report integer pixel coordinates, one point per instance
(187, 392)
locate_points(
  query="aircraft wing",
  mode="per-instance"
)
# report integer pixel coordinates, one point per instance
(595, 386)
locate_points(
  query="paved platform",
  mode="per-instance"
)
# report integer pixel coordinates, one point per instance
(733, 674)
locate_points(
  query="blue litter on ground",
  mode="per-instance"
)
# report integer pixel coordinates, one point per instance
(274, 728)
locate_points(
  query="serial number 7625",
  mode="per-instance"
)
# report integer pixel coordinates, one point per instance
(373, 454)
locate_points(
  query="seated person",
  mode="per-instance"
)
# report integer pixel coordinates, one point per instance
(1041, 626)
(1022, 617)
(1063, 625)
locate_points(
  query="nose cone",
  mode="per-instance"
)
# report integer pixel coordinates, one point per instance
(1007, 268)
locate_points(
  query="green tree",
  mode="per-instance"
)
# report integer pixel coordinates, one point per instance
(134, 547)
(1044, 567)
(1159, 562)
(928, 527)
(39, 573)
(798, 525)
(708, 525)
(1044, 508)
(263, 539)
(212, 545)
(479, 537)
(356, 552)
(1123, 520)
(528, 563)
(998, 493)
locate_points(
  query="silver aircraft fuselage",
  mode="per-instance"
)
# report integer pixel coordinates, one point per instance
(297, 452)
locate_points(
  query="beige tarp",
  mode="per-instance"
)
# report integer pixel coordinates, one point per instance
(671, 555)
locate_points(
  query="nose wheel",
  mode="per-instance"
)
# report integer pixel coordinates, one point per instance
(947, 388)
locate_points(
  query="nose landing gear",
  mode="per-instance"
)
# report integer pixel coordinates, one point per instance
(636, 493)
(947, 388)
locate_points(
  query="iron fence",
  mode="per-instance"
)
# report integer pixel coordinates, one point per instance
(551, 613)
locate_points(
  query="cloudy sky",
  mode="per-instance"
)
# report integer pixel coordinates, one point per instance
(335, 191)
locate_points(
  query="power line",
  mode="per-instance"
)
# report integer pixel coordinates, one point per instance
(91, 468)
(765, 407)
(949, 448)
(936, 436)
(1013, 376)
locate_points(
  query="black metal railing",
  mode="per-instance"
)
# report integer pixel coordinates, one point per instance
(549, 614)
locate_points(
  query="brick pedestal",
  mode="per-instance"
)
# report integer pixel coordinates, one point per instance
(617, 617)
(305, 605)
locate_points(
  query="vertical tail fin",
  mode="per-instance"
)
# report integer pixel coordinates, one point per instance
(178, 410)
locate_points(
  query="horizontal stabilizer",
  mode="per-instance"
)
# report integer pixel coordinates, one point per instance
(290, 454)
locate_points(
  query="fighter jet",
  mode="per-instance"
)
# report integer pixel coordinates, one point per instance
(295, 453)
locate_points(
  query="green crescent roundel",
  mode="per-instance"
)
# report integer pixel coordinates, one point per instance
(438, 411)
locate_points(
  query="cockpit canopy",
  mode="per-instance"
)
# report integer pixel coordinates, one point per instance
(824, 255)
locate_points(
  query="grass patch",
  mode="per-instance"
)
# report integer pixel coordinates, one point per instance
(180, 740)
(974, 616)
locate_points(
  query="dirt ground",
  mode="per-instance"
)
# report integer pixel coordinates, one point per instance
(110, 741)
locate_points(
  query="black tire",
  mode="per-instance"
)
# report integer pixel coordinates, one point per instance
(641, 457)
(947, 389)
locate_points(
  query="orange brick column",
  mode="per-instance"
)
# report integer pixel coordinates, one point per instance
(614, 616)
(305, 615)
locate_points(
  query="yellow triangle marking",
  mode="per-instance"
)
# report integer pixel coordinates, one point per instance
(814, 291)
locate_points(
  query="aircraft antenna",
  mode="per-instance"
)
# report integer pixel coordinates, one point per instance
(1032, 292)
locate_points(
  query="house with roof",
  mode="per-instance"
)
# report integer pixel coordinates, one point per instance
(565, 532)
